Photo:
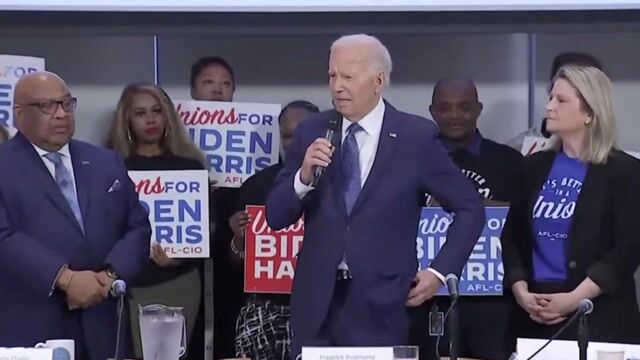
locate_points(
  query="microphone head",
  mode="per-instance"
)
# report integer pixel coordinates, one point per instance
(585, 306)
(334, 122)
(451, 276)
(452, 284)
(118, 288)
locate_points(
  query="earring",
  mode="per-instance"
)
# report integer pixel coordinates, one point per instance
(129, 135)
(587, 123)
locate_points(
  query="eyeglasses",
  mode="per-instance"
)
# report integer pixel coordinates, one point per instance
(50, 107)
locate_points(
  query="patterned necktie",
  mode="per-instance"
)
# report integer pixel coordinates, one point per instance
(351, 167)
(63, 179)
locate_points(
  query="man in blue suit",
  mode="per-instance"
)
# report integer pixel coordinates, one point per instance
(70, 224)
(356, 273)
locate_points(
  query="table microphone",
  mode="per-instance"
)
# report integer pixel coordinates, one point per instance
(119, 290)
(585, 307)
(452, 285)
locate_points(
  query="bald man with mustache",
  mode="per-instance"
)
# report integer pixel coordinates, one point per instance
(70, 225)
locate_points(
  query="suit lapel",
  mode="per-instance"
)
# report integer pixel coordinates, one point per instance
(82, 173)
(34, 166)
(386, 148)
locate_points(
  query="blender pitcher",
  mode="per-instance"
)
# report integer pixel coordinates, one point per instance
(163, 332)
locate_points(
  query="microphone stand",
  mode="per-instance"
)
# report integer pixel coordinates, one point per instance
(454, 326)
(117, 355)
(118, 289)
(583, 336)
(585, 307)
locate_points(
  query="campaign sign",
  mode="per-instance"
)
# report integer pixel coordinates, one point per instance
(238, 139)
(178, 206)
(270, 256)
(484, 271)
(12, 68)
(534, 144)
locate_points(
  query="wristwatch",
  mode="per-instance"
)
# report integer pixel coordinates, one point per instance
(110, 272)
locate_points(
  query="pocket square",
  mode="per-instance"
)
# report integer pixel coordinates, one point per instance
(115, 186)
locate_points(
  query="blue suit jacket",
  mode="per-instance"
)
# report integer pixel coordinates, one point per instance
(379, 236)
(39, 234)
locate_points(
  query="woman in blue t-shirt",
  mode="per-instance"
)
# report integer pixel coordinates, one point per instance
(572, 232)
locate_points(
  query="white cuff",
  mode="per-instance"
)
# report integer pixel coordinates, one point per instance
(437, 274)
(301, 189)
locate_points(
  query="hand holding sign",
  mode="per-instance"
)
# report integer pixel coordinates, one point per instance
(160, 258)
(238, 223)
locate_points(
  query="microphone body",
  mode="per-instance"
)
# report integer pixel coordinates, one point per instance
(585, 307)
(332, 127)
(454, 325)
(452, 285)
(119, 290)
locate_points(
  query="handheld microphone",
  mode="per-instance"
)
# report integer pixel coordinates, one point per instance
(118, 288)
(452, 285)
(332, 127)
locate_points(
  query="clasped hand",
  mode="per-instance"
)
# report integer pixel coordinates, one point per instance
(547, 309)
(87, 288)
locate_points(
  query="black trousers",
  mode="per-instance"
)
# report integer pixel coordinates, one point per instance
(486, 330)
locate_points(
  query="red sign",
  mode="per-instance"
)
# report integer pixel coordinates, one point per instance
(270, 256)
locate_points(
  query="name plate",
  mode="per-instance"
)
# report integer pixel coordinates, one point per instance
(347, 353)
(25, 354)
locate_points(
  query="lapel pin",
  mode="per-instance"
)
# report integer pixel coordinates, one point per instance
(86, 162)
(393, 135)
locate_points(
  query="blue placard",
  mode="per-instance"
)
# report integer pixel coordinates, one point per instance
(483, 274)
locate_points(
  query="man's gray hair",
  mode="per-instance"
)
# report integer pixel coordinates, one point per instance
(380, 57)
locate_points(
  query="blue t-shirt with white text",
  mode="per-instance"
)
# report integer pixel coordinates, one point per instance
(553, 216)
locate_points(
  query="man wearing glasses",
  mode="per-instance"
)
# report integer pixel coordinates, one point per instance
(70, 224)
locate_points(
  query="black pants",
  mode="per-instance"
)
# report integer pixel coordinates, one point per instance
(486, 330)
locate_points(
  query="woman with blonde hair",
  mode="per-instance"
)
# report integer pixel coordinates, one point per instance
(572, 232)
(148, 133)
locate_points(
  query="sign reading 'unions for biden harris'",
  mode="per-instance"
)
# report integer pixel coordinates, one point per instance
(484, 271)
(12, 68)
(178, 206)
(271, 255)
(238, 139)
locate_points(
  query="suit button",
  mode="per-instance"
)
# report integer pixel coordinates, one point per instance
(348, 228)
(572, 264)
